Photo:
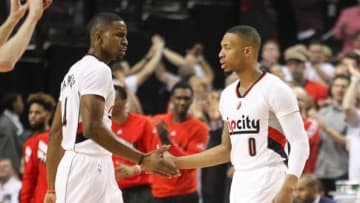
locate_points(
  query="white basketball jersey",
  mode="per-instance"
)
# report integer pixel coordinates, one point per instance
(257, 139)
(87, 76)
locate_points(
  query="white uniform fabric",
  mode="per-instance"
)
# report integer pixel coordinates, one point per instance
(89, 76)
(257, 134)
(86, 172)
(86, 178)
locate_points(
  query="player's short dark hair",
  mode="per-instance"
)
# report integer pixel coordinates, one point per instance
(248, 33)
(45, 100)
(182, 85)
(101, 20)
(121, 90)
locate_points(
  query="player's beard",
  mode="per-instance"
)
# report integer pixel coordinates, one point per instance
(36, 127)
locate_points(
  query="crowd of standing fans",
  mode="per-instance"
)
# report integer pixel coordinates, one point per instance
(326, 84)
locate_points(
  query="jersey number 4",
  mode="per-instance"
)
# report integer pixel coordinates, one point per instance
(252, 146)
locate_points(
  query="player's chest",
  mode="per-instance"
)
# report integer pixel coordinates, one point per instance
(253, 106)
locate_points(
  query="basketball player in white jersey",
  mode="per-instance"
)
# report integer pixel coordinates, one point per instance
(82, 123)
(261, 115)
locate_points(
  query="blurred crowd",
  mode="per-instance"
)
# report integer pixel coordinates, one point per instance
(326, 83)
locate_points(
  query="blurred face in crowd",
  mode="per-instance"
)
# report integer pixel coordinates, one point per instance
(304, 100)
(315, 53)
(119, 104)
(38, 117)
(338, 89)
(304, 193)
(271, 52)
(181, 99)
(349, 61)
(18, 105)
(297, 69)
(5, 170)
(235, 53)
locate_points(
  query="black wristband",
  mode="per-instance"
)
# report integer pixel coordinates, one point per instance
(141, 159)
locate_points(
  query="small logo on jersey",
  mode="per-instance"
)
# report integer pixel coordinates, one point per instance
(99, 168)
(238, 106)
(245, 125)
(119, 132)
(172, 133)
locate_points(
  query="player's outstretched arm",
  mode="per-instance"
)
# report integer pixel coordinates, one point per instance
(17, 11)
(54, 154)
(92, 110)
(217, 155)
(13, 49)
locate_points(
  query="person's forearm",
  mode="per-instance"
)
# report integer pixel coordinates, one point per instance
(351, 93)
(53, 157)
(335, 135)
(290, 183)
(13, 49)
(174, 57)
(211, 157)
(6, 28)
(105, 138)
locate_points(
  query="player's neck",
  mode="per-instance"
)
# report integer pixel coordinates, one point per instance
(121, 117)
(99, 55)
(178, 118)
(248, 77)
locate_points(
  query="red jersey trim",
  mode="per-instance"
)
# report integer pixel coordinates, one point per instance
(277, 136)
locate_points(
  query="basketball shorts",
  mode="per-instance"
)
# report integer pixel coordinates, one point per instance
(257, 186)
(84, 178)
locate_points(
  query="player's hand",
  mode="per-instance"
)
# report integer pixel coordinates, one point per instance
(284, 196)
(17, 10)
(155, 163)
(37, 7)
(124, 171)
(50, 198)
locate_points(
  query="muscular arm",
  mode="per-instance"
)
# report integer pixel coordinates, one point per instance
(54, 152)
(211, 157)
(92, 110)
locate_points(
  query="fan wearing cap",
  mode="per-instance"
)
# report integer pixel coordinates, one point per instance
(295, 61)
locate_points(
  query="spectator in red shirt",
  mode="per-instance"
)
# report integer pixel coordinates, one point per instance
(186, 135)
(41, 107)
(138, 131)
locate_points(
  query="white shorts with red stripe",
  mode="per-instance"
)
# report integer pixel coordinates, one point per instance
(84, 178)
